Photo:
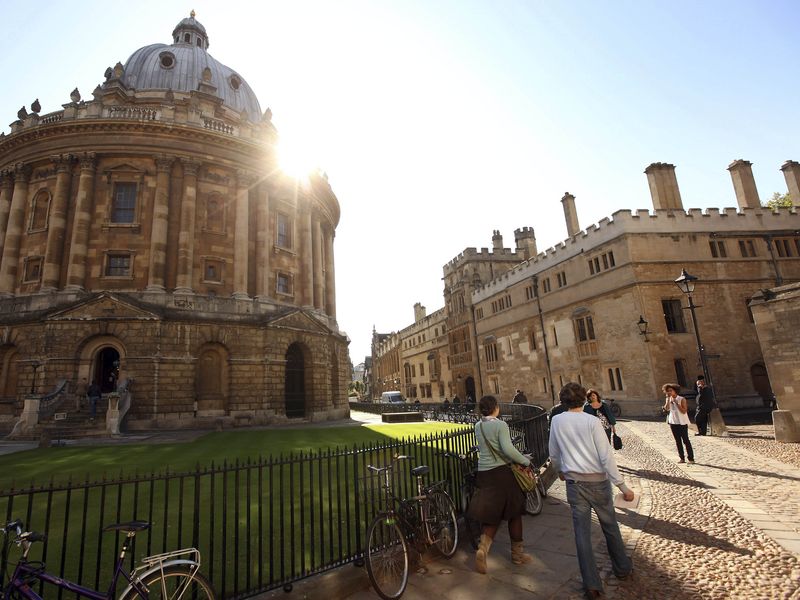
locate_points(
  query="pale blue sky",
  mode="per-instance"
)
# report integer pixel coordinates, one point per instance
(439, 121)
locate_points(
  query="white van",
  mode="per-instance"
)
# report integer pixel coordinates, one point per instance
(394, 397)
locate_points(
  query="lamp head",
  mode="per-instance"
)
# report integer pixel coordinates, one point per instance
(686, 282)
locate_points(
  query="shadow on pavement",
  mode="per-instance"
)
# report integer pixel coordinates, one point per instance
(658, 476)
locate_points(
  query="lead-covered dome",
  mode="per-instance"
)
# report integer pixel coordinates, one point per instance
(186, 66)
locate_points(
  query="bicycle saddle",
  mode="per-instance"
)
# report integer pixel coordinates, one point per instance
(128, 527)
(420, 470)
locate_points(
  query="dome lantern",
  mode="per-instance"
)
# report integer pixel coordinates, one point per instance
(190, 31)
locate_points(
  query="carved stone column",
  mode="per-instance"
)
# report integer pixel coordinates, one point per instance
(6, 189)
(319, 283)
(308, 256)
(16, 216)
(187, 232)
(57, 224)
(330, 279)
(263, 247)
(241, 244)
(76, 269)
(158, 232)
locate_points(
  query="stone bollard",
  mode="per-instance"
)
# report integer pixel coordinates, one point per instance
(716, 423)
(786, 426)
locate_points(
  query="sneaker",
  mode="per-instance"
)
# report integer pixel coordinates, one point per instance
(691, 462)
(681, 461)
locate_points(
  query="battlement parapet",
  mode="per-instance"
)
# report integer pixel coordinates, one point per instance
(472, 254)
(645, 221)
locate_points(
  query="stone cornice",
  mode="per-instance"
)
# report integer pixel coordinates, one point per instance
(117, 126)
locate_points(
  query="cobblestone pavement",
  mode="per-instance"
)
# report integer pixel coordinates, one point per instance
(726, 527)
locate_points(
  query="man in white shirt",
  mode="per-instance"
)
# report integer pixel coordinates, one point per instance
(582, 456)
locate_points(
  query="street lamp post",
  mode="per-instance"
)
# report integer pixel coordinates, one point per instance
(642, 325)
(686, 284)
(35, 364)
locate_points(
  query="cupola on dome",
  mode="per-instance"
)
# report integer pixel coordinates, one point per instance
(186, 64)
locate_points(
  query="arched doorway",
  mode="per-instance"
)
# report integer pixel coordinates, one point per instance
(8, 375)
(760, 378)
(469, 389)
(106, 369)
(295, 383)
(211, 381)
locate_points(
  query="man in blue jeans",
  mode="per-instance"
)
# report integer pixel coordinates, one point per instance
(582, 456)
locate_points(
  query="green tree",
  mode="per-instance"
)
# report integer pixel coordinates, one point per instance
(779, 200)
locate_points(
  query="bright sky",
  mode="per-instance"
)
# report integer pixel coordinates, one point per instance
(439, 121)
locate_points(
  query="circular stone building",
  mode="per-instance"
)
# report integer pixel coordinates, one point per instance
(151, 245)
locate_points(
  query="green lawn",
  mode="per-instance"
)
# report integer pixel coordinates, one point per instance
(109, 461)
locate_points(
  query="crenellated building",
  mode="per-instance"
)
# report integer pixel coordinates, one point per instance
(574, 311)
(148, 235)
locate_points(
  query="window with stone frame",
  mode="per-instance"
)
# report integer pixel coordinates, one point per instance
(673, 316)
(118, 264)
(532, 338)
(283, 284)
(681, 371)
(585, 336)
(215, 213)
(747, 248)
(32, 271)
(783, 248)
(40, 210)
(283, 234)
(718, 249)
(490, 352)
(123, 203)
(213, 270)
(615, 379)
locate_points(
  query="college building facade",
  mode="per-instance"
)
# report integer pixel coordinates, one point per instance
(602, 307)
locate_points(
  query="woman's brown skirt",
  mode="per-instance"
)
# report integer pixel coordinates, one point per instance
(497, 498)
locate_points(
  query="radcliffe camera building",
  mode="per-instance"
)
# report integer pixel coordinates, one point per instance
(602, 307)
(148, 236)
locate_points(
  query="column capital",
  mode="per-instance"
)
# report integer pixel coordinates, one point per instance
(164, 162)
(6, 179)
(245, 178)
(88, 161)
(22, 172)
(190, 165)
(62, 162)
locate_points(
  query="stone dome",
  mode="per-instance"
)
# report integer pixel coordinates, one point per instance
(186, 64)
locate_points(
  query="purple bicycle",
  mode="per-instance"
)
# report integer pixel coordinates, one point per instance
(171, 575)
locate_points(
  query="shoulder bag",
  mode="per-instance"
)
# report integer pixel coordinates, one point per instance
(617, 441)
(523, 475)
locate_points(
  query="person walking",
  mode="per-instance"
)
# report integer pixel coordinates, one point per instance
(595, 406)
(678, 418)
(705, 404)
(94, 396)
(519, 398)
(583, 458)
(498, 497)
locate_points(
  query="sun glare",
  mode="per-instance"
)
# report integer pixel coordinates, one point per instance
(295, 159)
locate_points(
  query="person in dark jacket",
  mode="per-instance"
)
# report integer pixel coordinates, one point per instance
(705, 404)
(519, 398)
(94, 395)
(595, 406)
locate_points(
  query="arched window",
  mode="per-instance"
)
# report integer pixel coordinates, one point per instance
(39, 211)
(215, 213)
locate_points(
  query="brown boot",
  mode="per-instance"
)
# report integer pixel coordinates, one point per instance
(482, 553)
(518, 556)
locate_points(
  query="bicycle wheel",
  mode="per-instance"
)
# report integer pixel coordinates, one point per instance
(176, 583)
(533, 501)
(542, 487)
(471, 526)
(444, 526)
(616, 410)
(387, 557)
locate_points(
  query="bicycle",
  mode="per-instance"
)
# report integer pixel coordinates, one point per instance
(616, 410)
(469, 483)
(427, 519)
(171, 575)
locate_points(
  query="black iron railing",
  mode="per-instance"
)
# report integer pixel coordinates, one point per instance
(259, 524)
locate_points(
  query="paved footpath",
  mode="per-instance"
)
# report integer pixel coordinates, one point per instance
(725, 527)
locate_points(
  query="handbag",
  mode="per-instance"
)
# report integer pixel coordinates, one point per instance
(617, 441)
(523, 475)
